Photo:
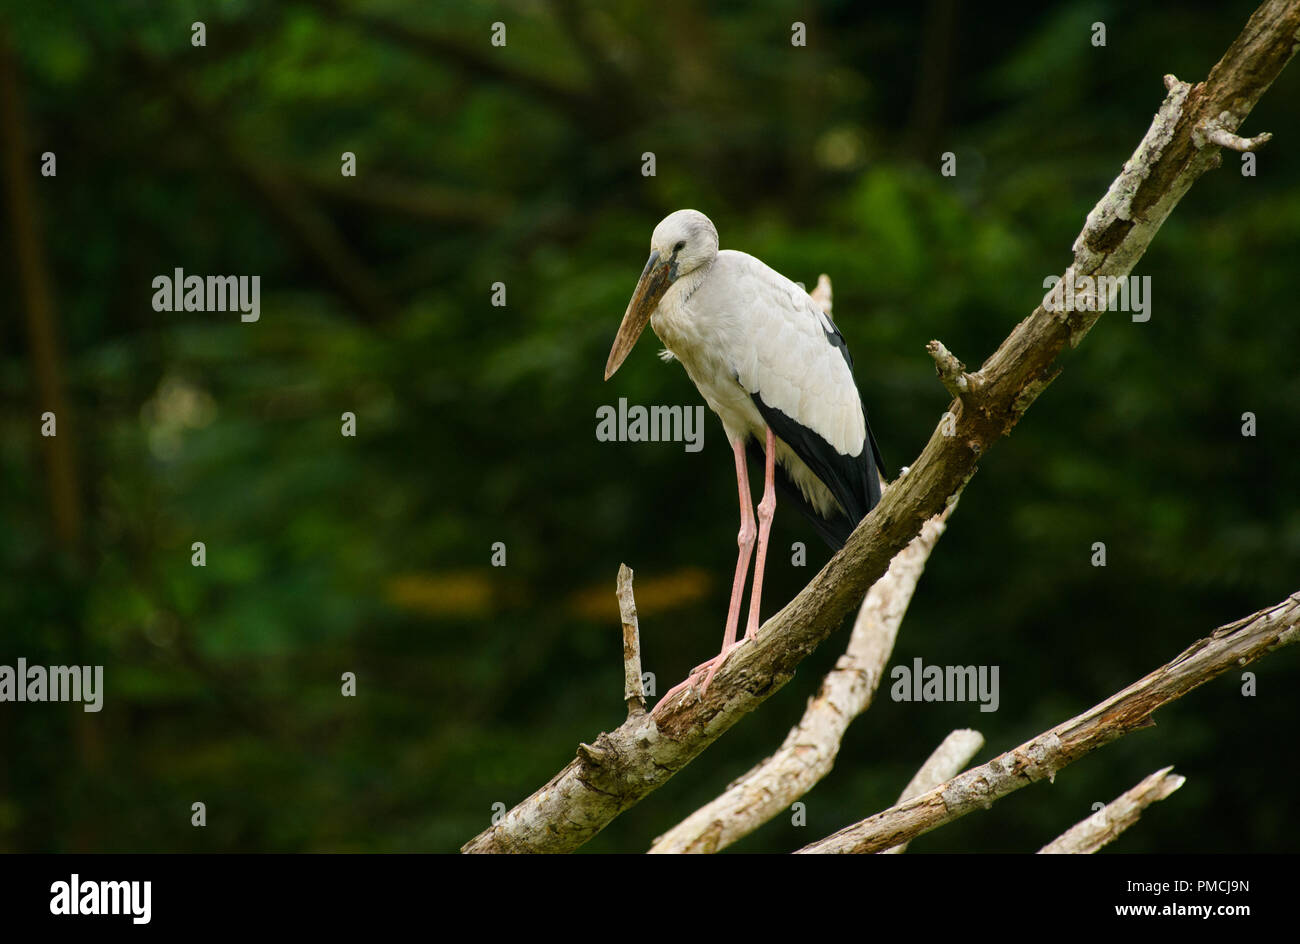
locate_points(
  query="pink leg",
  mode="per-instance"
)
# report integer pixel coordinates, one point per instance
(766, 510)
(745, 540)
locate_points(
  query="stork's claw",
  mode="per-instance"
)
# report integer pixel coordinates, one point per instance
(709, 669)
(680, 686)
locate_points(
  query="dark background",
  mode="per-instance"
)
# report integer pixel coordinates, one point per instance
(476, 424)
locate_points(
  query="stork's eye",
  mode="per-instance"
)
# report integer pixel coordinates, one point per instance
(680, 246)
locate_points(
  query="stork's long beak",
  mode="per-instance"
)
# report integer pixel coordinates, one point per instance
(651, 287)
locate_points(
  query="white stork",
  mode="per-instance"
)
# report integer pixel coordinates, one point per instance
(775, 369)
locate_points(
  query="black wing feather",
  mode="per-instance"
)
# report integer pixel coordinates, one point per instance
(837, 340)
(853, 480)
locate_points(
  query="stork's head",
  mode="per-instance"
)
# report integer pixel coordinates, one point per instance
(682, 242)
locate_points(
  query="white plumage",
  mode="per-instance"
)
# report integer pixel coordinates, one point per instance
(775, 369)
(739, 328)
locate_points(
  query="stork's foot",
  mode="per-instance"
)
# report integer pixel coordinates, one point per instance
(705, 669)
(679, 687)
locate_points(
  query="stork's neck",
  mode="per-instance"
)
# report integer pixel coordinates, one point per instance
(672, 320)
(685, 286)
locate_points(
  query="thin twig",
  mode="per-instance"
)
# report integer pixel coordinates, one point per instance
(633, 691)
(951, 371)
(947, 761)
(1215, 131)
(822, 293)
(1107, 823)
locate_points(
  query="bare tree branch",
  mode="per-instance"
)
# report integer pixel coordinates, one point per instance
(952, 372)
(810, 748)
(1107, 823)
(625, 765)
(947, 761)
(822, 294)
(1235, 142)
(633, 692)
(1231, 646)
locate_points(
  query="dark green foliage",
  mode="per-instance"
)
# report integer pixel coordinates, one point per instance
(475, 424)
